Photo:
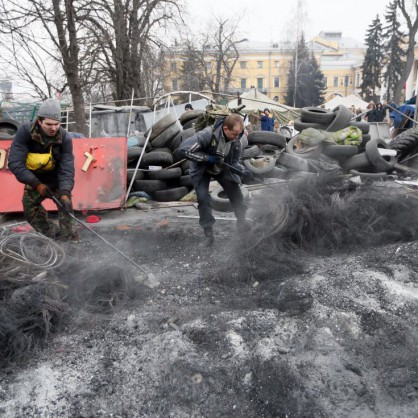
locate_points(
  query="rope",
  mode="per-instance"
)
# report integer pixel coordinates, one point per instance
(33, 249)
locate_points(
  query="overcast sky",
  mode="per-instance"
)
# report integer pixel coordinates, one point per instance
(268, 20)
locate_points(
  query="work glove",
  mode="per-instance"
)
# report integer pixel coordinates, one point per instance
(66, 203)
(43, 190)
(213, 159)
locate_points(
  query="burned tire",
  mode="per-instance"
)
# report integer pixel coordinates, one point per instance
(220, 201)
(162, 125)
(149, 186)
(300, 126)
(175, 142)
(190, 123)
(134, 153)
(286, 132)
(157, 158)
(405, 143)
(379, 162)
(255, 166)
(170, 195)
(189, 115)
(313, 152)
(277, 173)
(8, 128)
(357, 162)
(266, 137)
(317, 115)
(339, 151)
(164, 174)
(164, 138)
(342, 119)
(250, 152)
(185, 181)
(293, 162)
(130, 172)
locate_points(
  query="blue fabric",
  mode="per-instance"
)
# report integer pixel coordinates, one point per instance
(267, 123)
(397, 118)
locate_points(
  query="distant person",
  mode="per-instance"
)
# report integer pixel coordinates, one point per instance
(188, 107)
(358, 113)
(370, 115)
(41, 157)
(267, 121)
(379, 113)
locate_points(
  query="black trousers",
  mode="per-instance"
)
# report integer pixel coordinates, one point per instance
(233, 191)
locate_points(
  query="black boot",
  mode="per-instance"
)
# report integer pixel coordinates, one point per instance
(209, 237)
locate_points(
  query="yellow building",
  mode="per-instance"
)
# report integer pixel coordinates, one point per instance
(265, 66)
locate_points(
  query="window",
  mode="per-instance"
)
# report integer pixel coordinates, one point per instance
(259, 64)
(357, 80)
(276, 82)
(335, 81)
(243, 83)
(276, 64)
(175, 84)
(259, 83)
(342, 81)
(173, 66)
(243, 64)
(325, 81)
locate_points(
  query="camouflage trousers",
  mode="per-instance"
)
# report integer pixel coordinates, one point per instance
(38, 217)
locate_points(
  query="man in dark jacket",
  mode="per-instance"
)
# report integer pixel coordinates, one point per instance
(207, 150)
(41, 157)
(267, 121)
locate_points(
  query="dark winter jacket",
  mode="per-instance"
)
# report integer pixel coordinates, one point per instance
(210, 140)
(26, 140)
(267, 123)
(379, 114)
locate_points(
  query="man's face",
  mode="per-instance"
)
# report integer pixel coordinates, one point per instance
(49, 126)
(233, 134)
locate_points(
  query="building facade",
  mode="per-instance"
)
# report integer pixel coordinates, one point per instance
(265, 66)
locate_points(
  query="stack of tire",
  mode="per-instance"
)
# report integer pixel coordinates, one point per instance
(270, 154)
(165, 136)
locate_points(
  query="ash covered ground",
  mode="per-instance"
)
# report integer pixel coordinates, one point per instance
(312, 314)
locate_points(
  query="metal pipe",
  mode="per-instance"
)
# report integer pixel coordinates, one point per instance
(59, 204)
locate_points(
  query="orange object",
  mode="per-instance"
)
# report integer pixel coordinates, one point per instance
(100, 184)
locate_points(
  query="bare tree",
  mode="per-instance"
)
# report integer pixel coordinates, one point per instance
(45, 34)
(124, 32)
(410, 13)
(215, 54)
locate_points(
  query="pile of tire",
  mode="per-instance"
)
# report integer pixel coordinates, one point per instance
(266, 154)
(270, 154)
(155, 176)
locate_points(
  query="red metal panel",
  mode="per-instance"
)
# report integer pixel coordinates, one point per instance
(98, 185)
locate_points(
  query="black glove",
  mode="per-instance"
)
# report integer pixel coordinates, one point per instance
(43, 190)
(66, 203)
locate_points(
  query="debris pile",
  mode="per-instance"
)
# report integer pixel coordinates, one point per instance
(329, 143)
